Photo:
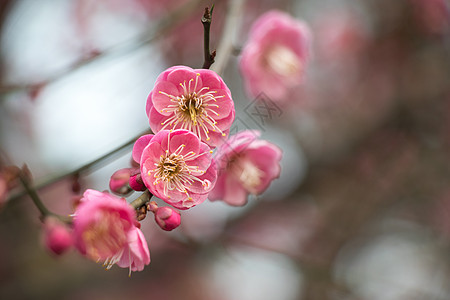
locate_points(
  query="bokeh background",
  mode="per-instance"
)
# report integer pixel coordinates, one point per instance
(361, 209)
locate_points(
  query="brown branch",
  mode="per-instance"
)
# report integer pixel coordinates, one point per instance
(206, 21)
(85, 168)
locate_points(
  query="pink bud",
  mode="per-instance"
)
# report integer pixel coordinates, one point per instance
(57, 237)
(118, 183)
(135, 181)
(167, 218)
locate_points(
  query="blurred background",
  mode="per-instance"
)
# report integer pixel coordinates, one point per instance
(361, 209)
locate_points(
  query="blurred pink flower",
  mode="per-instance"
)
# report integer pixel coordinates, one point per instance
(196, 100)
(246, 165)
(432, 15)
(135, 254)
(276, 54)
(176, 167)
(167, 218)
(102, 223)
(57, 236)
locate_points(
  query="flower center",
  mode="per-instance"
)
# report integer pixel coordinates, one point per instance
(170, 166)
(192, 107)
(175, 174)
(283, 61)
(106, 237)
(194, 110)
(249, 175)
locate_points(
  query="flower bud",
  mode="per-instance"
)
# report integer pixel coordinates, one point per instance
(136, 182)
(118, 183)
(167, 218)
(57, 237)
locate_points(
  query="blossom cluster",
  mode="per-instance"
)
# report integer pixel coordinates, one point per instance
(188, 158)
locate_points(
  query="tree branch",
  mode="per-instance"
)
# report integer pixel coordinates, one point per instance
(206, 21)
(87, 167)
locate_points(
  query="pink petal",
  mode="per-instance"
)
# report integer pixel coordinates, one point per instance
(210, 79)
(182, 137)
(183, 76)
(160, 100)
(218, 192)
(203, 161)
(265, 157)
(225, 105)
(139, 146)
(156, 119)
(235, 194)
(225, 123)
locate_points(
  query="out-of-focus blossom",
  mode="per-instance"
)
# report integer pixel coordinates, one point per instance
(432, 15)
(197, 100)
(176, 167)
(247, 165)
(167, 218)
(57, 236)
(135, 254)
(102, 224)
(118, 183)
(276, 55)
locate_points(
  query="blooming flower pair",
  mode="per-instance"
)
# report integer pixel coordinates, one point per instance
(177, 165)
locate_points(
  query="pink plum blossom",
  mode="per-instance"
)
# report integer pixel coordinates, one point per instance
(57, 236)
(275, 57)
(104, 230)
(197, 100)
(176, 167)
(247, 165)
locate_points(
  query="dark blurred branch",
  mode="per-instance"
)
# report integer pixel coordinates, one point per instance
(161, 27)
(45, 212)
(85, 168)
(232, 24)
(206, 21)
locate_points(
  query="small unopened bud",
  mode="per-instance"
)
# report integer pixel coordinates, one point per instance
(136, 182)
(167, 218)
(118, 184)
(57, 237)
(141, 213)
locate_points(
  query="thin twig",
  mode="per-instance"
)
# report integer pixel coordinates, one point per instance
(141, 200)
(232, 25)
(85, 168)
(45, 212)
(206, 21)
